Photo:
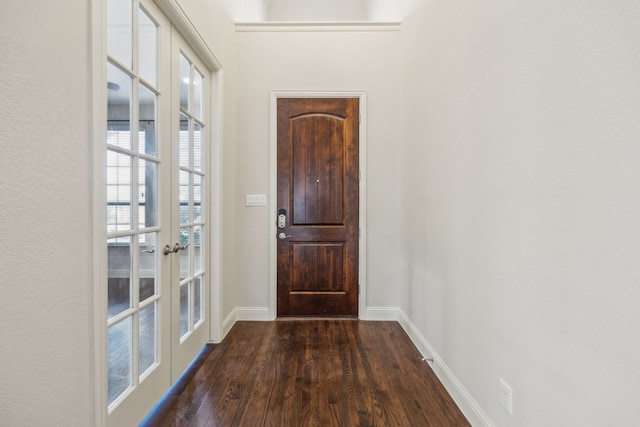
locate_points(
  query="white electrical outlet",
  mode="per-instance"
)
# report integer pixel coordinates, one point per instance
(506, 397)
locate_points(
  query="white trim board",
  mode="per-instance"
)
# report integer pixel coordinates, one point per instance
(181, 22)
(98, 232)
(245, 313)
(273, 189)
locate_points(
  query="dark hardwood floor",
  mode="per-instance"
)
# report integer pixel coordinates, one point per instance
(311, 373)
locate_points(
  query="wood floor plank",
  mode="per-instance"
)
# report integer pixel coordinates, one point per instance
(318, 372)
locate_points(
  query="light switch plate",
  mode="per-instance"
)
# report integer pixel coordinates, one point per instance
(255, 200)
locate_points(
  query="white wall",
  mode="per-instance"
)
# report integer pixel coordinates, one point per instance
(244, 10)
(315, 10)
(521, 209)
(45, 324)
(387, 10)
(319, 61)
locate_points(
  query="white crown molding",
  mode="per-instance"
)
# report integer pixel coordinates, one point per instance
(180, 20)
(342, 26)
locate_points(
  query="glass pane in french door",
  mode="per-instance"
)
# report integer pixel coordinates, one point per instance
(120, 369)
(119, 275)
(148, 52)
(120, 31)
(147, 142)
(148, 266)
(148, 337)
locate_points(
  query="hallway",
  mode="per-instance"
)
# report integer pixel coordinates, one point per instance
(502, 213)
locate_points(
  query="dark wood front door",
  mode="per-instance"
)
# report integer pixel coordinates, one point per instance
(318, 194)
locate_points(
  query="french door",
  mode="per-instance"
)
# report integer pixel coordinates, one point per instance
(189, 208)
(156, 178)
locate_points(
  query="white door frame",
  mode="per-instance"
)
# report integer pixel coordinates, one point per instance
(273, 190)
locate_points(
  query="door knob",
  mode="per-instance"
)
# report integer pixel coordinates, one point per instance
(283, 236)
(176, 248)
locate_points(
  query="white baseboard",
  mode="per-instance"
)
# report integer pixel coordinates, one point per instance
(245, 313)
(381, 313)
(460, 395)
(228, 323)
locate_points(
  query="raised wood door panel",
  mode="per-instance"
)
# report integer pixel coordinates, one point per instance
(317, 169)
(318, 188)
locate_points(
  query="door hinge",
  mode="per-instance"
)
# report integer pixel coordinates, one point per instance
(358, 288)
